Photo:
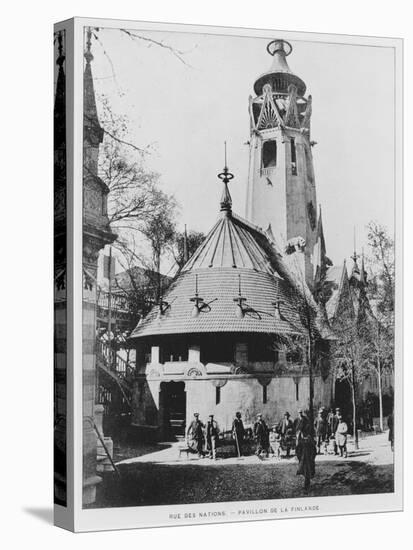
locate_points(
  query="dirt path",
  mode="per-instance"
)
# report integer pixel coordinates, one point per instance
(163, 478)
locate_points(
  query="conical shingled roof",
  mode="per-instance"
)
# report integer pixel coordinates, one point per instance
(236, 258)
(230, 244)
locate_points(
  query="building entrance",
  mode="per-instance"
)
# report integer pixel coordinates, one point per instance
(173, 400)
(342, 399)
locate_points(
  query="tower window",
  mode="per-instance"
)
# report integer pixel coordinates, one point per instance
(293, 157)
(217, 395)
(269, 154)
(264, 394)
(309, 165)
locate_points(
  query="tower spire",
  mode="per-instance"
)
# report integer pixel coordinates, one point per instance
(60, 103)
(93, 132)
(225, 176)
(355, 255)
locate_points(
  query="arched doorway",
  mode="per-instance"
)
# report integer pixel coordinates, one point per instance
(173, 408)
(342, 399)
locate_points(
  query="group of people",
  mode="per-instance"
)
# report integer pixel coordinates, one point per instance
(294, 434)
(329, 429)
(200, 435)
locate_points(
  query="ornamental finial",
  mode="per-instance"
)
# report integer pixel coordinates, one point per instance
(279, 46)
(226, 177)
(61, 57)
(88, 53)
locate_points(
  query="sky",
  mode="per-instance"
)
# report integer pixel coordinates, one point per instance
(186, 111)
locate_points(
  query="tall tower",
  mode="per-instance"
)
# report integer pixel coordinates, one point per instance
(281, 192)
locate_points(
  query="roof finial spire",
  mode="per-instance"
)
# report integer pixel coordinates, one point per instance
(61, 57)
(226, 176)
(88, 53)
(355, 255)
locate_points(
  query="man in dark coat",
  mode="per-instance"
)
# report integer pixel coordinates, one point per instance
(262, 436)
(286, 430)
(301, 425)
(306, 452)
(238, 432)
(333, 421)
(212, 432)
(195, 435)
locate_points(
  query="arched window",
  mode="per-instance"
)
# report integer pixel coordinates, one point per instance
(217, 395)
(264, 394)
(293, 157)
(269, 154)
(309, 165)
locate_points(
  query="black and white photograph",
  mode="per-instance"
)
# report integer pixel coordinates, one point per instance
(239, 269)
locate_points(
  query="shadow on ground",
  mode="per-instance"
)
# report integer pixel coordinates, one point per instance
(148, 483)
(43, 514)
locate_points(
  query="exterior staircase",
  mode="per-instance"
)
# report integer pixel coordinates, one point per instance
(115, 380)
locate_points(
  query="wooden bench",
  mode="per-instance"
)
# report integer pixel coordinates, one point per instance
(184, 449)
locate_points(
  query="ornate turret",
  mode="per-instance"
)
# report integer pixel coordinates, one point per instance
(281, 187)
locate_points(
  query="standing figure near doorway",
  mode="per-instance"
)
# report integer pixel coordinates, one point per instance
(212, 432)
(195, 435)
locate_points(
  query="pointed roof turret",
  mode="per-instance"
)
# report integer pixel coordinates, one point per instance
(363, 274)
(279, 76)
(93, 132)
(60, 100)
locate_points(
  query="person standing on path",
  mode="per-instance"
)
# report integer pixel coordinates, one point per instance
(306, 452)
(332, 421)
(262, 436)
(238, 433)
(320, 426)
(390, 424)
(212, 432)
(195, 435)
(301, 425)
(341, 436)
(286, 431)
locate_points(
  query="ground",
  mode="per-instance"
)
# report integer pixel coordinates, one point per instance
(160, 476)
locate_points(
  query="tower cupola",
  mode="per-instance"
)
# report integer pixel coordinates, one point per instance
(280, 76)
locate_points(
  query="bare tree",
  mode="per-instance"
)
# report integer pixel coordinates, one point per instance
(379, 325)
(184, 246)
(160, 230)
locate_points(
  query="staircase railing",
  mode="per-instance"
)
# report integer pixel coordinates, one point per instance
(114, 361)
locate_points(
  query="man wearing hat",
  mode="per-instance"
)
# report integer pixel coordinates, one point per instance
(238, 432)
(212, 432)
(261, 435)
(195, 435)
(301, 424)
(286, 430)
(320, 426)
(333, 421)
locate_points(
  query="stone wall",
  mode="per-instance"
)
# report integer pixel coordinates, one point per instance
(244, 393)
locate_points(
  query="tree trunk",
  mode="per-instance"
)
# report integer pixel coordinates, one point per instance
(311, 384)
(380, 396)
(158, 276)
(354, 397)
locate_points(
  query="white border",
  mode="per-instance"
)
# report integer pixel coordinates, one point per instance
(151, 516)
